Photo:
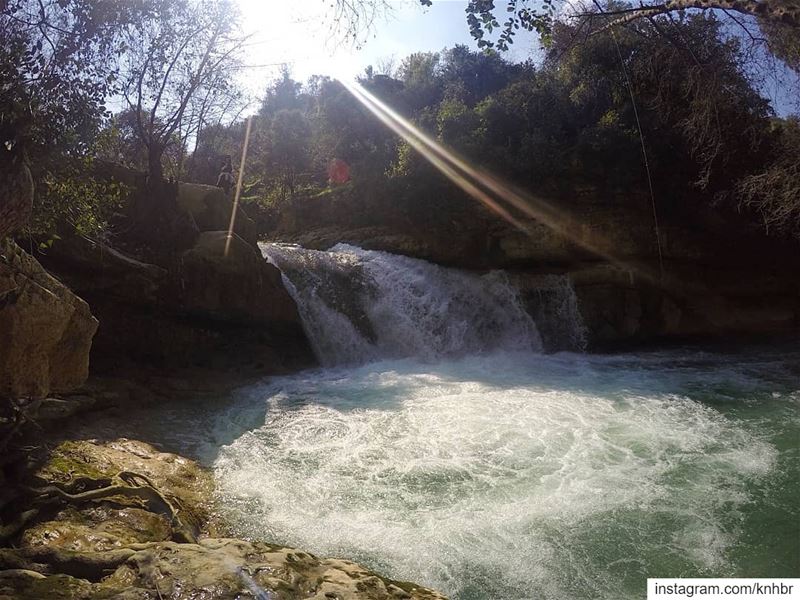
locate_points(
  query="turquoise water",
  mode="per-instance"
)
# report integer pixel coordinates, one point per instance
(521, 475)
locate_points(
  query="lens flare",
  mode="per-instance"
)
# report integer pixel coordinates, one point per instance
(497, 195)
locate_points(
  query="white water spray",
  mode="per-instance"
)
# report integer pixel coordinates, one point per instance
(359, 306)
(456, 455)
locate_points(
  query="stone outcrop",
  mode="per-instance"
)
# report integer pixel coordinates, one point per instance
(203, 309)
(692, 301)
(239, 285)
(210, 209)
(46, 331)
(121, 519)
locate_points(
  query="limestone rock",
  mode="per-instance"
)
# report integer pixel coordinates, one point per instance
(238, 286)
(211, 210)
(225, 568)
(204, 310)
(45, 330)
(57, 409)
(119, 547)
(222, 569)
(617, 305)
(119, 520)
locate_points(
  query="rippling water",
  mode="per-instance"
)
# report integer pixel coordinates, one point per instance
(522, 475)
(500, 475)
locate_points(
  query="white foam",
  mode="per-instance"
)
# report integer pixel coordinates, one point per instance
(494, 476)
(359, 305)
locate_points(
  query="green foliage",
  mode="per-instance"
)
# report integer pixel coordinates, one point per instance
(290, 135)
(482, 19)
(578, 121)
(57, 67)
(282, 94)
(774, 193)
(56, 70)
(72, 198)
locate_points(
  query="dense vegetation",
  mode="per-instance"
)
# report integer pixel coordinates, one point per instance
(678, 92)
(681, 90)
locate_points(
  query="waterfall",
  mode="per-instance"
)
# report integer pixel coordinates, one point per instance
(551, 301)
(360, 305)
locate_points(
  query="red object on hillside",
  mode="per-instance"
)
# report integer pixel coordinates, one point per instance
(338, 171)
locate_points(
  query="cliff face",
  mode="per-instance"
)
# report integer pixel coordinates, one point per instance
(716, 274)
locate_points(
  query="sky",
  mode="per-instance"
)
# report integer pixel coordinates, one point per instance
(299, 35)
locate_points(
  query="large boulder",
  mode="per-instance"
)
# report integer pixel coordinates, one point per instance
(211, 210)
(45, 330)
(234, 285)
(619, 306)
(204, 310)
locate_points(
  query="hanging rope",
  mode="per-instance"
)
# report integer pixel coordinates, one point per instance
(644, 155)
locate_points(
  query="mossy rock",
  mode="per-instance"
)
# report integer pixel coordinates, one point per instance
(178, 478)
(18, 584)
(90, 550)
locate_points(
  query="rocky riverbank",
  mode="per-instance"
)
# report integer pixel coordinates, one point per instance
(119, 519)
(176, 310)
(86, 512)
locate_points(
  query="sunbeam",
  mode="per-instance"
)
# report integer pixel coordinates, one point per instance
(489, 189)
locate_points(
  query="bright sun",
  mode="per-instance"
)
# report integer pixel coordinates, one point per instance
(298, 35)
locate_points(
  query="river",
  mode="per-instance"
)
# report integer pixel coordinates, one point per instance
(440, 443)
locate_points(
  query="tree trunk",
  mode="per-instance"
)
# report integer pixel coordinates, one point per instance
(154, 169)
(775, 11)
(16, 195)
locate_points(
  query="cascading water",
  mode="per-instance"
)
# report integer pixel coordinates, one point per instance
(440, 446)
(360, 305)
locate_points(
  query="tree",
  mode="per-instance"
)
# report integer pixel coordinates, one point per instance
(281, 94)
(541, 15)
(56, 70)
(774, 193)
(290, 135)
(173, 66)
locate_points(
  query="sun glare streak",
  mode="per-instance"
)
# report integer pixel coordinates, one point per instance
(405, 130)
(487, 188)
(238, 187)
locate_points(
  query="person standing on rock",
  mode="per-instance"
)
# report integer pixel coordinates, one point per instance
(225, 179)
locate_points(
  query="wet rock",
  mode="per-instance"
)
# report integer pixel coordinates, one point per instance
(24, 584)
(618, 306)
(119, 546)
(56, 409)
(203, 310)
(222, 569)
